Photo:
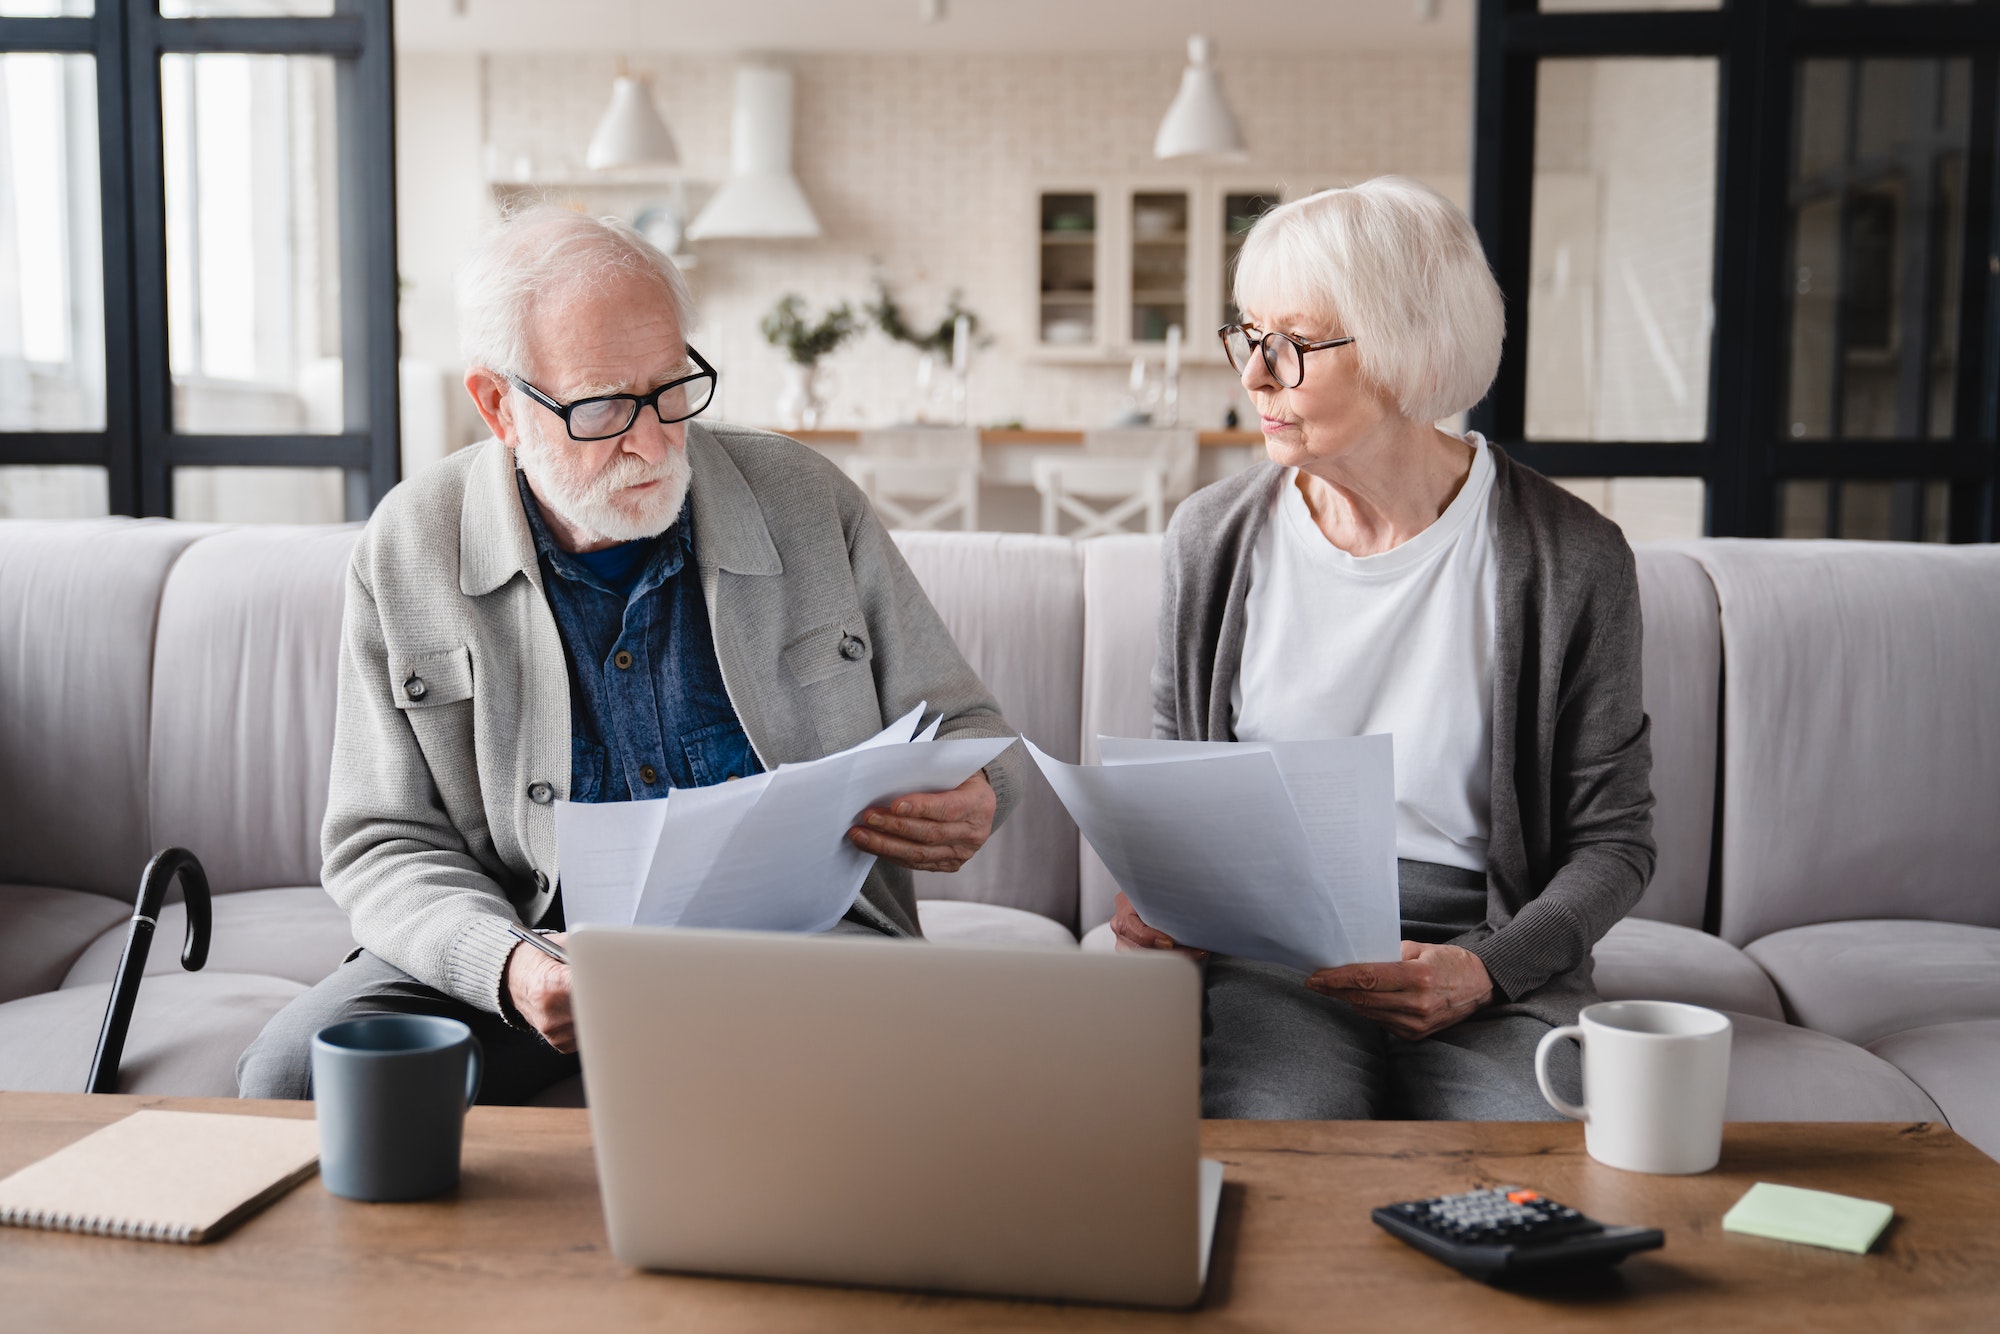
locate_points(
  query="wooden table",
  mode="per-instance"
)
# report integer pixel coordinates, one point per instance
(521, 1246)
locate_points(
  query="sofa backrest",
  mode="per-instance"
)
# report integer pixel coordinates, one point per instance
(1121, 577)
(1682, 661)
(245, 666)
(1015, 603)
(78, 603)
(1861, 733)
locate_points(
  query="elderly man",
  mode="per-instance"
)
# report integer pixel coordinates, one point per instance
(604, 602)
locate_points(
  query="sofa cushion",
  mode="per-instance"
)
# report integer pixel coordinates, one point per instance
(1958, 1065)
(42, 931)
(78, 599)
(1121, 616)
(1865, 980)
(1858, 774)
(292, 933)
(957, 922)
(187, 1031)
(1640, 959)
(244, 694)
(1778, 1072)
(1014, 604)
(1682, 662)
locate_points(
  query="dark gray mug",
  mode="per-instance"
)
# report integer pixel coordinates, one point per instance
(391, 1092)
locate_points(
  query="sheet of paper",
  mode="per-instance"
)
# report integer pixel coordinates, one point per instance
(626, 861)
(1344, 790)
(1211, 851)
(787, 865)
(605, 849)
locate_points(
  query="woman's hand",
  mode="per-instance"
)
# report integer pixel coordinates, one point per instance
(1132, 933)
(930, 831)
(1434, 987)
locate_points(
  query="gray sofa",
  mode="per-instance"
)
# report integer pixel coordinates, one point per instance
(1826, 734)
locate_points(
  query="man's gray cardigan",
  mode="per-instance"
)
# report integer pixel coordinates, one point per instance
(1571, 846)
(452, 738)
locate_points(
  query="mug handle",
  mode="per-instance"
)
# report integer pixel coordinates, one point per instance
(1549, 1039)
(475, 1069)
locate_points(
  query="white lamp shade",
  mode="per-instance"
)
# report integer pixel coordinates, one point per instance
(761, 199)
(1199, 123)
(631, 133)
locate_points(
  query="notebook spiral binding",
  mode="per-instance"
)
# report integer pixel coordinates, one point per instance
(51, 1220)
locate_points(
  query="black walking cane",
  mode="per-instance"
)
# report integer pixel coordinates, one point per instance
(160, 873)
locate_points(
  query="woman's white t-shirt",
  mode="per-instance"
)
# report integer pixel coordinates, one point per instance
(1336, 645)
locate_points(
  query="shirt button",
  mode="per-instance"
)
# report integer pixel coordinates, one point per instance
(541, 793)
(415, 687)
(541, 883)
(648, 774)
(623, 659)
(851, 648)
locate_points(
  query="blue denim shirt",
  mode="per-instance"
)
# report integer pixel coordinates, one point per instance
(648, 710)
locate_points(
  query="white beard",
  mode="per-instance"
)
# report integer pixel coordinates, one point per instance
(599, 506)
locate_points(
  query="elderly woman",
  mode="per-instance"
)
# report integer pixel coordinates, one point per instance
(1382, 574)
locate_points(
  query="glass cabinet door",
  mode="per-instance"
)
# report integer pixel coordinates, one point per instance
(1068, 298)
(1159, 263)
(1240, 211)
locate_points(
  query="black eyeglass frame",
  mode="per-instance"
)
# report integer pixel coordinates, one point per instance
(638, 401)
(1262, 344)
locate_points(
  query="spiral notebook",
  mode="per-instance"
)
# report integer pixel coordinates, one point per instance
(163, 1176)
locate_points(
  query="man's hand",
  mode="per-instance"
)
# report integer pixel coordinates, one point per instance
(1434, 987)
(539, 988)
(930, 831)
(1130, 932)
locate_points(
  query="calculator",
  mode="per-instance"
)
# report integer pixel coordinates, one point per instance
(1510, 1231)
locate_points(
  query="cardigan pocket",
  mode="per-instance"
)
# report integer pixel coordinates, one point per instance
(429, 680)
(826, 651)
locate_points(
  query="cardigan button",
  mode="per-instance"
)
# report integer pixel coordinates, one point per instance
(541, 793)
(852, 649)
(415, 688)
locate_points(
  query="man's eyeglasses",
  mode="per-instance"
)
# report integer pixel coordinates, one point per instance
(1284, 355)
(609, 415)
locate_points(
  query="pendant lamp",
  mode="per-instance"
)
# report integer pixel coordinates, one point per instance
(1199, 123)
(631, 133)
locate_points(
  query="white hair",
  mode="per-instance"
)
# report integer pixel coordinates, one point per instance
(1400, 270)
(544, 254)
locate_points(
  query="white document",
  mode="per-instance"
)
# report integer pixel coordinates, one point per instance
(1344, 791)
(1209, 842)
(769, 852)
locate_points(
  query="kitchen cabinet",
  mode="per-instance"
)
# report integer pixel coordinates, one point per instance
(1119, 262)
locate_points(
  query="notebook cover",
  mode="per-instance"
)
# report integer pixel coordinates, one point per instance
(163, 1176)
(1814, 1217)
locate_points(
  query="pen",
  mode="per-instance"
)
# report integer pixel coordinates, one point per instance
(540, 942)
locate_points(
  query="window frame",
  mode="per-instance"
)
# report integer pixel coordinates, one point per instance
(1745, 455)
(139, 447)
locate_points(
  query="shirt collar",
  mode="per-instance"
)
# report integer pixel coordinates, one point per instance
(662, 563)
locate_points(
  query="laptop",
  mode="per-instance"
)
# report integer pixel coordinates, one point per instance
(870, 1111)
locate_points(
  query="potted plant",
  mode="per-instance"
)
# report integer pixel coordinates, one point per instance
(789, 325)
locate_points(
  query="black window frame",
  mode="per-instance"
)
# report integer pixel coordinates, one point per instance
(139, 447)
(1745, 455)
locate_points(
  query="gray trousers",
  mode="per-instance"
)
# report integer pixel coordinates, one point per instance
(1274, 1051)
(518, 1063)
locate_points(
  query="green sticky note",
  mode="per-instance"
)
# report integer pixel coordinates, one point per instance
(1815, 1217)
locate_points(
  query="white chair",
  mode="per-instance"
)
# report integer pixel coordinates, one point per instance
(917, 476)
(1120, 474)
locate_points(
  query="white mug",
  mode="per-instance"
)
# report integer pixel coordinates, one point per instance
(1655, 1074)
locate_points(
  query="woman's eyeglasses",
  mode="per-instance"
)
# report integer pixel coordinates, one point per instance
(1284, 355)
(610, 415)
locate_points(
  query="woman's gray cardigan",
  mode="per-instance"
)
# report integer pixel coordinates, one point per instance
(1570, 848)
